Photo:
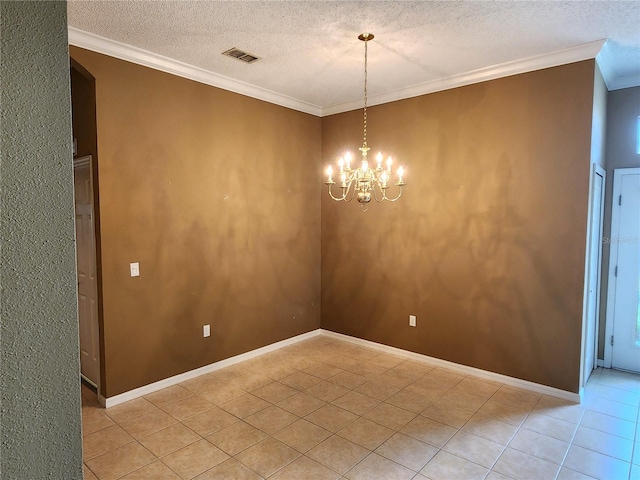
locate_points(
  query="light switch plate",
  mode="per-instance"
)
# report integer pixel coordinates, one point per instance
(412, 320)
(206, 331)
(135, 269)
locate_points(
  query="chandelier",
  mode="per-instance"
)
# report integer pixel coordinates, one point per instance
(365, 182)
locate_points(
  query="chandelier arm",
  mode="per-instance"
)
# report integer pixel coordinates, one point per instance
(375, 194)
(337, 199)
(396, 198)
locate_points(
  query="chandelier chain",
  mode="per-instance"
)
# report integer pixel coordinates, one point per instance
(365, 92)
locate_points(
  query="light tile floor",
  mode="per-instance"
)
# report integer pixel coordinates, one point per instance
(327, 409)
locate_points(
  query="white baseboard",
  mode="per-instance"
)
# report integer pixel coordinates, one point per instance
(182, 377)
(463, 369)
(600, 363)
(436, 362)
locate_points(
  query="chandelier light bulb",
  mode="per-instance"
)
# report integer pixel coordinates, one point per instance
(341, 163)
(329, 173)
(365, 166)
(379, 159)
(347, 158)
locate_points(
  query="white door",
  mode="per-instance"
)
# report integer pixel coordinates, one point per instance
(593, 269)
(86, 262)
(624, 294)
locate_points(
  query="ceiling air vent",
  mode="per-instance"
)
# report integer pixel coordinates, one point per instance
(240, 55)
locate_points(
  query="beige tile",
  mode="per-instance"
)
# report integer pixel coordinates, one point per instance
(300, 380)
(567, 474)
(326, 391)
(323, 371)
(462, 399)
(227, 470)
(496, 476)
(601, 442)
(553, 427)
(481, 388)
(267, 456)
(236, 438)
(169, 439)
(541, 446)
(271, 419)
(475, 449)
(87, 473)
(250, 382)
(104, 441)
(386, 360)
(429, 431)
(305, 468)
(274, 392)
(210, 421)
(356, 403)
(609, 424)
(423, 387)
(362, 353)
(445, 466)
(338, 454)
(407, 451)
(245, 405)
(301, 404)
(219, 394)
(617, 394)
(131, 409)
(397, 379)
(366, 433)
(516, 397)
(168, 395)
(147, 424)
(376, 467)
(413, 369)
(486, 427)
(331, 417)
(409, 400)
(195, 459)
(348, 380)
(377, 389)
(390, 416)
(278, 371)
(154, 471)
(366, 369)
(454, 417)
(120, 461)
(445, 377)
(521, 466)
(560, 408)
(187, 407)
(610, 407)
(200, 384)
(302, 435)
(505, 413)
(94, 420)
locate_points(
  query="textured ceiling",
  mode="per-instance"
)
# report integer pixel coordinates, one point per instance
(309, 49)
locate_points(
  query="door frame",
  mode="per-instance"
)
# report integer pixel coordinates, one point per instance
(595, 170)
(78, 162)
(613, 254)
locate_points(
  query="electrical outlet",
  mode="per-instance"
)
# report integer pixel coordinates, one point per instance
(206, 331)
(412, 320)
(135, 269)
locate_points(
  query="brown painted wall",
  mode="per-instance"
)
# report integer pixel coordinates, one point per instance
(487, 244)
(217, 196)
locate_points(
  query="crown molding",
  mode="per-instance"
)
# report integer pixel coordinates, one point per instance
(537, 62)
(112, 48)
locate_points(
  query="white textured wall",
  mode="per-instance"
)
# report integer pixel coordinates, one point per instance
(39, 368)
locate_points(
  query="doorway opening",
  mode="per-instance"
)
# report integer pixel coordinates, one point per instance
(88, 252)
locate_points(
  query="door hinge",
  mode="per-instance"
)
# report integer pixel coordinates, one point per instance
(615, 273)
(620, 200)
(612, 340)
